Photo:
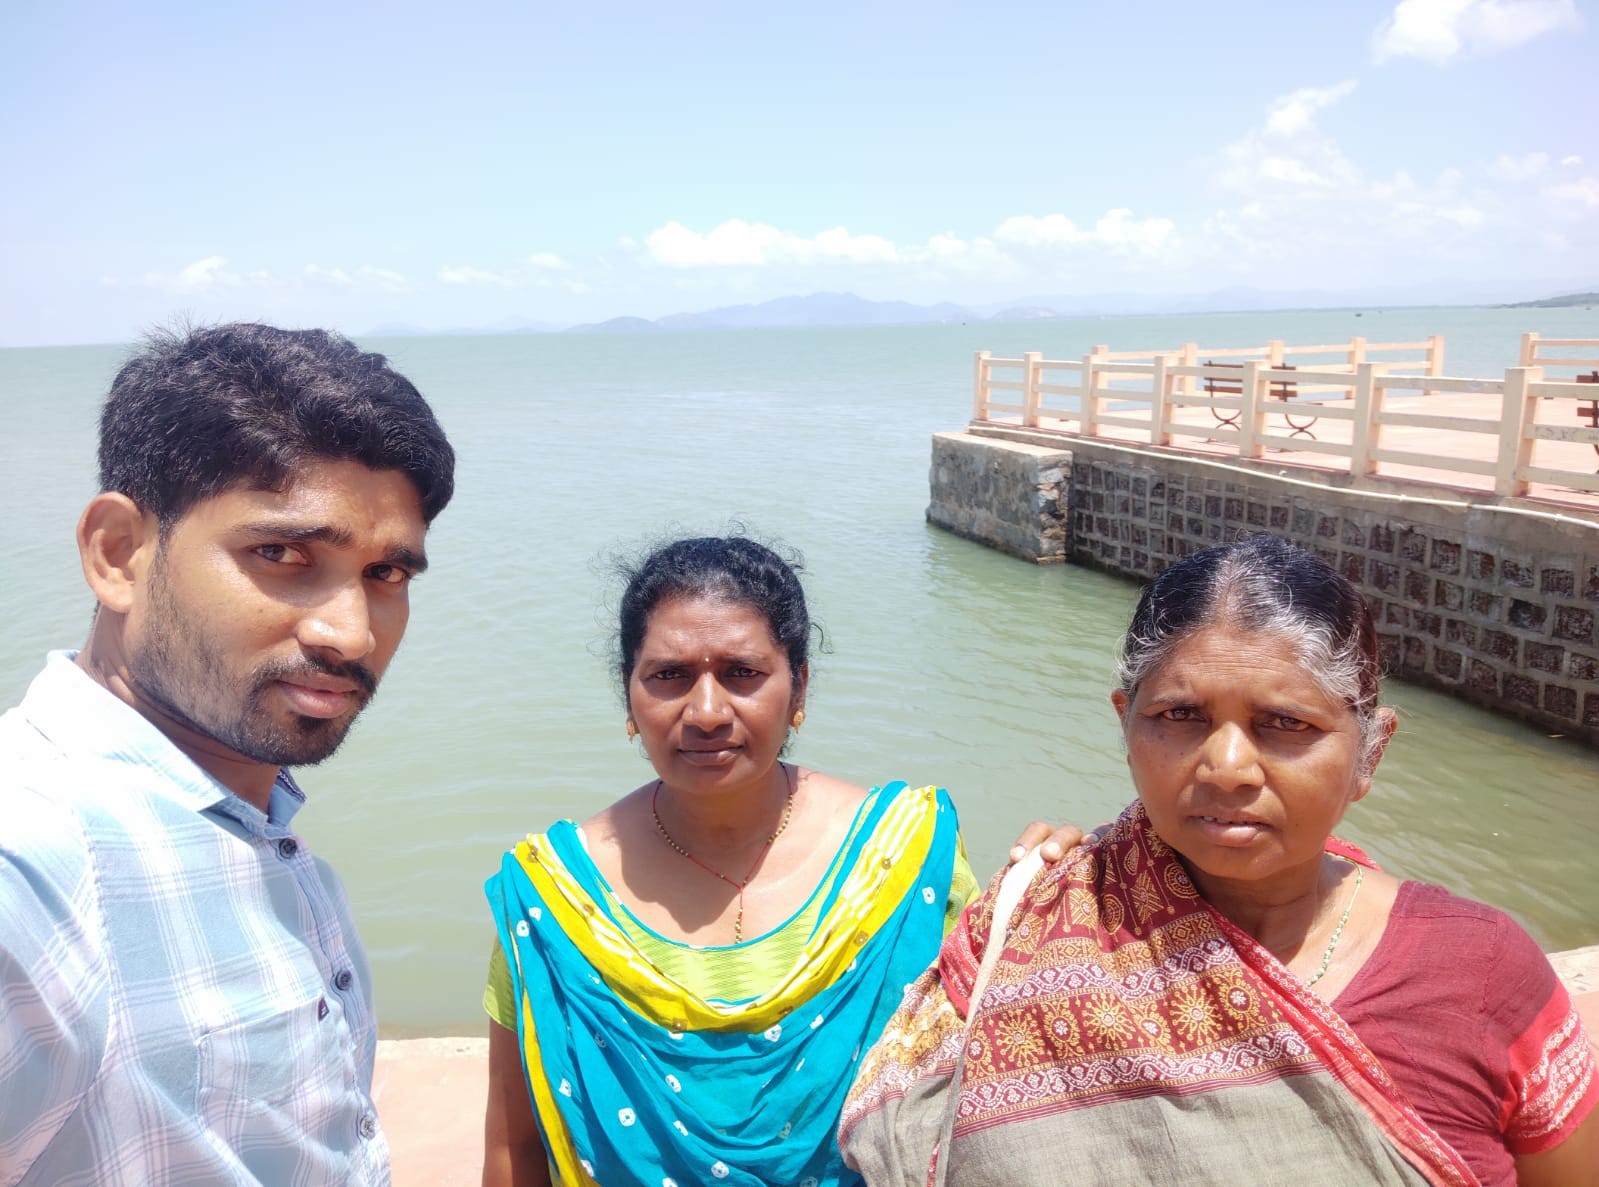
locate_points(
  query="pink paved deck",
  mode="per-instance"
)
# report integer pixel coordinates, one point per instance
(430, 1094)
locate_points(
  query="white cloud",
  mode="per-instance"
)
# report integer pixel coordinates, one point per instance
(365, 277)
(946, 245)
(475, 276)
(196, 277)
(1300, 197)
(1425, 212)
(1289, 170)
(1303, 212)
(384, 278)
(1293, 113)
(205, 275)
(549, 261)
(1037, 231)
(1116, 229)
(1288, 154)
(1571, 161)
(331, 275)
(1438, 31)
(739, 243)
(1584, 192)
(1522, 168)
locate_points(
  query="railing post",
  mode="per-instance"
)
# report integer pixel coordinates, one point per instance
(1030, 370)
(1252, 421)
(1089, 402)
(980, 388)
(1274, 353)
(1529, 348)
(1189, 357)
(1367, 432)
(1159, 434)
(1357, 355)
(1435, 355)
(1515, 447)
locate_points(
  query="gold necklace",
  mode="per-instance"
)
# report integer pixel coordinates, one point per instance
(788, 810)
(1326, 957)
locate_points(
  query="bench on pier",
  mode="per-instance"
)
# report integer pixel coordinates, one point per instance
(1589, 408)
(1282, 389)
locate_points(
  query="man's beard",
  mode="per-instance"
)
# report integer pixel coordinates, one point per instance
(181, 670)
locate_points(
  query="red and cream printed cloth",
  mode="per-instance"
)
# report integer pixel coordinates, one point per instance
(1130, 1033)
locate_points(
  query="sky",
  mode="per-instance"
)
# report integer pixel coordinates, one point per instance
(500, 165)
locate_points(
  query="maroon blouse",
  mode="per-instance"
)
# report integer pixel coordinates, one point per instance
(1465, 1013)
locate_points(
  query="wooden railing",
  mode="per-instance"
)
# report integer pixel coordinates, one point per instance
(1123, 396)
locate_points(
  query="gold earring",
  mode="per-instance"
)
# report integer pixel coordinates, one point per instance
(799, 718)
(632, 730)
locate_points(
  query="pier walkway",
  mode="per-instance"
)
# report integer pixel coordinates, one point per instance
(1372, 411)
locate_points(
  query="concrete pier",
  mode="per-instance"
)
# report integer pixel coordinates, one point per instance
(430, 1094)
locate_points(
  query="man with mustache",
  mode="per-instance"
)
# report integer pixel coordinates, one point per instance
(183, 996)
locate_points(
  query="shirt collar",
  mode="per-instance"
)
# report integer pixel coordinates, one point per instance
(82, 717)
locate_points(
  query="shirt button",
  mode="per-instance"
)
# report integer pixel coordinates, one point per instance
(368, 1126)
(343, 980)
(288, 847)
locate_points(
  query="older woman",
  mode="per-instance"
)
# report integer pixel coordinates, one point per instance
(684, 984)
(1215, 990)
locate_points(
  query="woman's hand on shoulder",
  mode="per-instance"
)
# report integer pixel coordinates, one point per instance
(1052, 841)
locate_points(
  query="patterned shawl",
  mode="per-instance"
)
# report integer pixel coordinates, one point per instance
(635, 1080)
(1129, 1034)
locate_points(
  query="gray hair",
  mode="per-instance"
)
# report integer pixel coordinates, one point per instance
(1269, 586)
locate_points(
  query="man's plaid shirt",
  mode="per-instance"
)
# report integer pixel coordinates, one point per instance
(183, 996)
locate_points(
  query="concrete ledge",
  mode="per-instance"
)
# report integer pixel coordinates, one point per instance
(1579, 969)
(430, 1094)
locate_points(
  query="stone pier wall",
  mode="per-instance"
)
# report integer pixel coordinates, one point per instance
(1496, 604)
(1010, 495)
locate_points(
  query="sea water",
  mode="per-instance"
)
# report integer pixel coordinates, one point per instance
(942, 662)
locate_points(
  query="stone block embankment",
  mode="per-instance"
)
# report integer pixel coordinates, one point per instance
(1010, 495)
(1494, 603)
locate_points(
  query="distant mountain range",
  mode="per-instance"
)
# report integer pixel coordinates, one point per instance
(848, 309)
(513, 326)
(1569, 301)
(818, 309)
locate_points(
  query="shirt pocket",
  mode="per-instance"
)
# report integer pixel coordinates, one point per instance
(271, 1084)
